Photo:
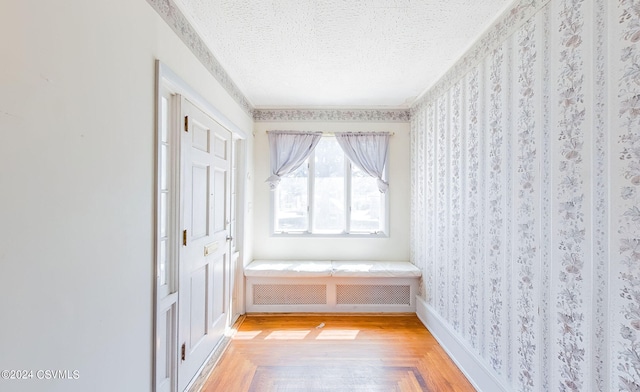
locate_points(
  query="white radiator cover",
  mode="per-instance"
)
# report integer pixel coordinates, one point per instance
(331, 294)
(289, 294)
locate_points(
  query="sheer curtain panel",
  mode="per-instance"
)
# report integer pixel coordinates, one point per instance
(289, 149)
(368, 151)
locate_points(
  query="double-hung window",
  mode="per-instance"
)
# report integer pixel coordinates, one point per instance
(328, 195)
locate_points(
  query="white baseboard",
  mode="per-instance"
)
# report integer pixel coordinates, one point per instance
(476, 371)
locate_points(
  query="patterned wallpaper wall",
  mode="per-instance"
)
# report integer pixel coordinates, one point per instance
(526, 196)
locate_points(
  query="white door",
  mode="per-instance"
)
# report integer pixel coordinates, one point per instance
(204, 256)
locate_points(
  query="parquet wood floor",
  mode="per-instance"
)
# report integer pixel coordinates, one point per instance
(334, 353)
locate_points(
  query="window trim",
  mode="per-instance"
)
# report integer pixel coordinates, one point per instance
(384, 233)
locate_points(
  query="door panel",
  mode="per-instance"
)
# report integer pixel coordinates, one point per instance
(222, 147)
(201, 136)
(198, 316)
(218, 304)
(164, 349)
(220, 214)
(200, 201)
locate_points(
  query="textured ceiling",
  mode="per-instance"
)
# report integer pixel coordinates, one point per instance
(338, 53)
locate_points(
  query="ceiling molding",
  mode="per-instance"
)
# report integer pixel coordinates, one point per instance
(171, 14)
(506, 24)
(347, 115)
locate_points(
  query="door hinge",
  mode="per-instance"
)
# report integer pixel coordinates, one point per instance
(186, 123)
(183, 351)
(184, 237)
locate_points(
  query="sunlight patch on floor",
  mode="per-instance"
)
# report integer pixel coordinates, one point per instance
(246, 335)
(287, 335)
(338, 334)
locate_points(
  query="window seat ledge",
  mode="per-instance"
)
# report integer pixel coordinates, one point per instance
(355, 269)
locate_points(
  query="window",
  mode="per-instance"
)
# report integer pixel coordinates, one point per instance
(327, 195)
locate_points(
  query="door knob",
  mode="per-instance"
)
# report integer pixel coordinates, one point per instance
(229, 238)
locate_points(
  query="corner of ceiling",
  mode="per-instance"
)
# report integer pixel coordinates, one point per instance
(184, 29)
(505, 24)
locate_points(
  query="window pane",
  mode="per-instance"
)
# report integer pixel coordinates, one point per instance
(163, 213)
(366, 202)
(292, 200)
(328, 208)
(164, 167)
(164, 120)
(162, 268)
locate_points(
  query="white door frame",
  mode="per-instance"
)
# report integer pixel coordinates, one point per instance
(166, 291)
(238, 179)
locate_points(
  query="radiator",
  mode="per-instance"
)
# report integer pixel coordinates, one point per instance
(266, 294)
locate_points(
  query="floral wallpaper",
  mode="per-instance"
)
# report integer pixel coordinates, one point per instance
(628, 195)
(415, 200)
(442, 198)
(530, 242)
(418, 195)
(570, 208)
(473, 254)
(429, 213)
(600, 233)
(545, 204)
(527, 237)
(455, 209)
(495, 209)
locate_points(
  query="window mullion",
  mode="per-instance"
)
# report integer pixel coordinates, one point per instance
(311, 187)
(347, 196)
(275, 208)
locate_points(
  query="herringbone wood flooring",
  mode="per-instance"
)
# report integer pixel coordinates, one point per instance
(333, 352)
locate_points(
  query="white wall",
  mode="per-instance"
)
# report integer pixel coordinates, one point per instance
(525, 195)
(76, 187)
(396, 247)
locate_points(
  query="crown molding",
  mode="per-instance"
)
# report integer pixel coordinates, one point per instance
(346, 115)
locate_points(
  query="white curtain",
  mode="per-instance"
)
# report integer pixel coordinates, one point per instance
(289, 149)
(368, 151)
